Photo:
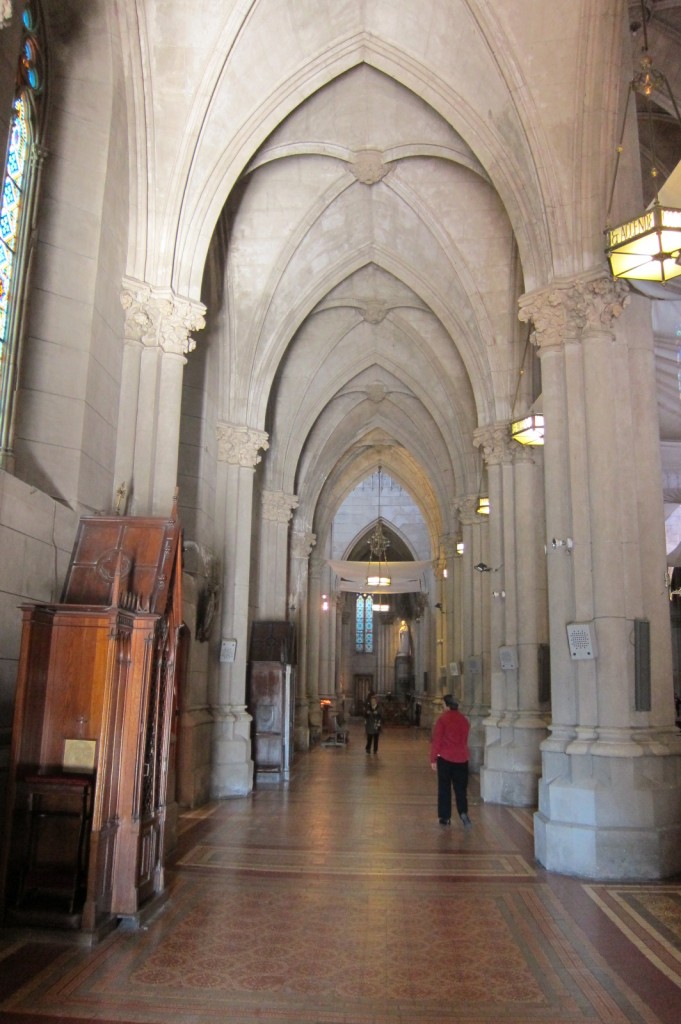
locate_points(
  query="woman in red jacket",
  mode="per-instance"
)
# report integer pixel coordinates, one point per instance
(449, 758)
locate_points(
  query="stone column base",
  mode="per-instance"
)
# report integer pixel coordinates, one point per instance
(476, 738)
(431, 709)
(315, 721)
(301, 727)
(232, 763)
(512, 761)
(193, 768)
(613, 817)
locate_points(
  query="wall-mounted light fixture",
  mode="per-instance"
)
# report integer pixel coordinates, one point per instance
(460, 547)
(325, 603)
(566, 544)
(483, 506)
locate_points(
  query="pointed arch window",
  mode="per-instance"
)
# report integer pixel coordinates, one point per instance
(364, 624)
(17, 210)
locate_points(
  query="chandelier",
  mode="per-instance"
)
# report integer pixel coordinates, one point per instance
(648, 247)
(378, 546)
(529, 429)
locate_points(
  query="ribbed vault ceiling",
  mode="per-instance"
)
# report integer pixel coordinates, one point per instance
(371, 283)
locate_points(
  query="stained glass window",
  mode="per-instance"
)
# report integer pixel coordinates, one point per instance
(11, 207)
(364, 624)
(18, 190)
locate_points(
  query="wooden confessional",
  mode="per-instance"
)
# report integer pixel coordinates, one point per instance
(271, 698)
(84, 837)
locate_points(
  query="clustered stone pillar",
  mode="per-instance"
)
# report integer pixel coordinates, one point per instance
(475, 686)
(232, 766)
(277, 510)
(611, 770)
(302, 542)
(317, 563)
(158, 324)
(515, 727)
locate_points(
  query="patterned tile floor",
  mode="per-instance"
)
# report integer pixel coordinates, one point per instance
(338, 899)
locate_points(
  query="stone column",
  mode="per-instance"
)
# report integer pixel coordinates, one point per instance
(458, 618)
(277, 509)
(326, 675)
(302, 542)
(158, 324)
(610, 792)
(448, 561)
(313, 632)
(514, 729)
(474, 689)
(232, 764)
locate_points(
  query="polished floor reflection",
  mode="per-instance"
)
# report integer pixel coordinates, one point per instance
(339, 899)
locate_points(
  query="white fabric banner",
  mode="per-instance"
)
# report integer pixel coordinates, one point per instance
(405, 577)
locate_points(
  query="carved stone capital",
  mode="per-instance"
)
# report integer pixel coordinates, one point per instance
(495, 441)
(569, 309)
(467, 507)
(239, 446)
(524, 452)
(447, 546)
(277, 506)
(302, 542)
(158, 317)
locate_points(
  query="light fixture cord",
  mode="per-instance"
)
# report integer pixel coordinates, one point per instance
(520, 372)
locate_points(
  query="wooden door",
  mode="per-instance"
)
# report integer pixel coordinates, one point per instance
(362, 684)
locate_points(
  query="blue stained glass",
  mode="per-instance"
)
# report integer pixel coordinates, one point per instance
(364, 624)
(11, 205)
(369, 625)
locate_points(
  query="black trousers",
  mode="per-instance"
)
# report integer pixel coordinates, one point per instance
(372, 738)
(451, 775)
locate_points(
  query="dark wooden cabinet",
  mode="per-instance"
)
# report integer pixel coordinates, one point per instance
(96, 669)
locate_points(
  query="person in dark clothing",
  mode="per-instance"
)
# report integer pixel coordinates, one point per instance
(449, 758)
(372, 723)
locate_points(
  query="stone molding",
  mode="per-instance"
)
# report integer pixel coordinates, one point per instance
(158, 317)
(302, 542)
(524, 452)
(495, 441)
(239, 446)
(278, 507)
(573, 308)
